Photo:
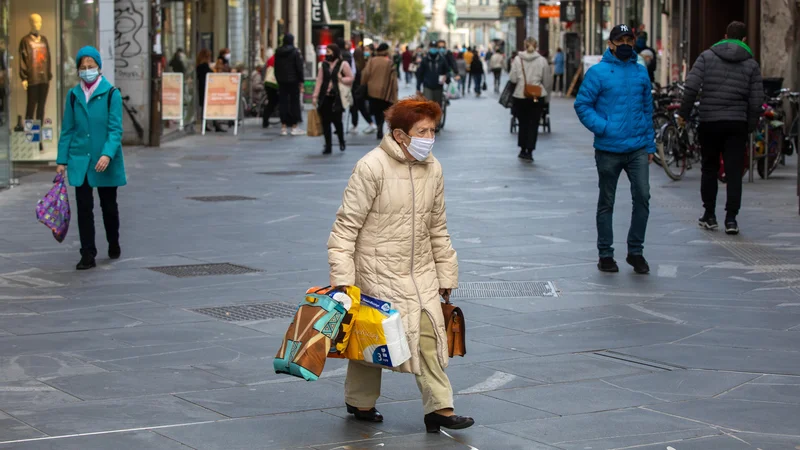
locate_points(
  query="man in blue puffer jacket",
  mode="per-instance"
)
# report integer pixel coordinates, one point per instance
(616, 104)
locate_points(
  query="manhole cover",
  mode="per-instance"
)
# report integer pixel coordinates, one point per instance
(221, 198)
(286, 173)
(205, 158)
(505, 289)
(244, 313)
(203, 270)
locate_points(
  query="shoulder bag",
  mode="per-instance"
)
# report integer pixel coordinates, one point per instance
(456, 329)
(533, 91)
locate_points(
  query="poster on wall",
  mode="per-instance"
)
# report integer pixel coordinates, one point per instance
(222, 98)
(172, 96)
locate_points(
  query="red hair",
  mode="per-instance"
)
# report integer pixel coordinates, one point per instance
(405, 113)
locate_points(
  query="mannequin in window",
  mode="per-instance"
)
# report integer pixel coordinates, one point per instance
(35, 69)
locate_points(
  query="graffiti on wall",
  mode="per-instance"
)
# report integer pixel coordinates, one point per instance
(129, 35)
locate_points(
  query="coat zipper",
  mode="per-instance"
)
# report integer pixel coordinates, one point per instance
(413, 232)
(413, 246)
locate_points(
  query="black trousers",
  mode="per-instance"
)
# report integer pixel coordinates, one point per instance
(289, 95)
(37, 96)
(359, 105)
(498, 73)
(729, 139)
(331, 113)
(528, 113)
(270, 107)
(558, 83)
(108, 203)
(377, 108)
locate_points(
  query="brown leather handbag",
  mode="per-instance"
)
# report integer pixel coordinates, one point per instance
(456, 329)
(533, 91)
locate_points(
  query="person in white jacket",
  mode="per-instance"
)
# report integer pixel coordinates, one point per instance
(531, 68)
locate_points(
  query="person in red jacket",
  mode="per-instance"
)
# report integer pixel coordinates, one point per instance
(407, 59)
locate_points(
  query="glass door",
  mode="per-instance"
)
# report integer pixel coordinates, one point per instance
(5, 141)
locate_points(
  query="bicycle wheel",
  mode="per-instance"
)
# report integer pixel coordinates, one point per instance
(772, 157)
(659, 120)
(673, 158)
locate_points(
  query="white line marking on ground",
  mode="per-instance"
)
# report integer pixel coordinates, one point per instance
(340, 372)
(476, 240)
(667, 270)
(557, 240)
(502, 263)
(678, 230)
(460, 442)
(785, 235)
(174, 164)
(642, 309)
(283, 219)
(495, 381)
(98, 433)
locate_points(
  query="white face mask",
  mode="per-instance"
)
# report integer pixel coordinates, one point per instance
(420, 147)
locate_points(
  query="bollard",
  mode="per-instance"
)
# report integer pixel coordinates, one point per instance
(766, 151)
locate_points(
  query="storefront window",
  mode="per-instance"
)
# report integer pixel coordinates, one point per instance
(178, 53)
(43, 38)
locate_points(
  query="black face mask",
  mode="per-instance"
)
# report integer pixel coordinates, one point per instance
(330, 58)
(624, 52)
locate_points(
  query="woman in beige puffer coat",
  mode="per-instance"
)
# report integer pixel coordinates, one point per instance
(390, 239)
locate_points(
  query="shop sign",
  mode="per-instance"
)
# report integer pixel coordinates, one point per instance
(512, 12)
(316, 12)
(172, 96)
(222, 98)
(549, 11)
(33, 131)
(570, 11)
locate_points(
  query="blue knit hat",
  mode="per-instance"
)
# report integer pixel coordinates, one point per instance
(90, 52)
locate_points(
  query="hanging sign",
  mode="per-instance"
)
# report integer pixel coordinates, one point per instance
(570, 11)
(511, 11)
(549, 11)
(172, 96)
(222, 98)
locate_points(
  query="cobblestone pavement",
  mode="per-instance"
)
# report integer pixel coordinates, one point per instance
(703, 353)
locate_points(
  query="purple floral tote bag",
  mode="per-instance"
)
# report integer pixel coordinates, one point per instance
(53, 209)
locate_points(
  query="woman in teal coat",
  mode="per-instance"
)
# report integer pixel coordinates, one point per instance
(90, 151)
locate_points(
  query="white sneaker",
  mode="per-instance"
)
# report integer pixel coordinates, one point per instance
(298, 132)
(353, 130)
(370, 129)
(284, 132)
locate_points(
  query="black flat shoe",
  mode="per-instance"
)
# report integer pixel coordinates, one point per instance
(433, 422)
(114, 251)
(86, 263)
(366, 416)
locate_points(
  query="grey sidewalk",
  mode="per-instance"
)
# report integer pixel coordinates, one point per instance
(703, 353)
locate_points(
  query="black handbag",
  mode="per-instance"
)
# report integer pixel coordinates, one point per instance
(507, 97)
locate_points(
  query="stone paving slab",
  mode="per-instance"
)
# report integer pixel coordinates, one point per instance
(136, 440)
(270, 432)
(138, 383)
(741, 415)
(105, 415)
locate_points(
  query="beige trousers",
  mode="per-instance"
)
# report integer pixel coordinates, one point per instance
(362, 386)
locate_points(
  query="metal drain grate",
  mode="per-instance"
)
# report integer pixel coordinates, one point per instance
(285, 173)
(205, 158)
(221, 198)
(246, 313)
(203, 270)
(505, 289)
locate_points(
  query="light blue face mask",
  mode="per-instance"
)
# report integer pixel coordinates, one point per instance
(89, 75)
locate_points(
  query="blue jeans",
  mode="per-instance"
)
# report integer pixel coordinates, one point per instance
(609, 166)
(478, 77)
